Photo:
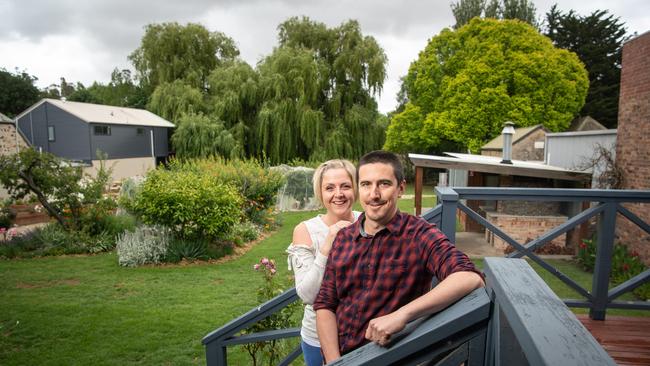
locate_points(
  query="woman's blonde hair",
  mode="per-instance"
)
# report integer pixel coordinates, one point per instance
(334, 164)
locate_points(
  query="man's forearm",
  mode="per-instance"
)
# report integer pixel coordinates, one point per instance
(454, 287)
(450, 290)
(328, 334)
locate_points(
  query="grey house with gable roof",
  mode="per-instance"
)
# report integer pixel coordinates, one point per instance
(134, 140)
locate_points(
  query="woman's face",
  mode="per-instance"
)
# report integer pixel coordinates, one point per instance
(338, 192)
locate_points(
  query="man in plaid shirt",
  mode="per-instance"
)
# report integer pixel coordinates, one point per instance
(379, 271)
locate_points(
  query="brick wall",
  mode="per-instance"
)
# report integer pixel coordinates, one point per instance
(524, 229)
(633, 147)
(536, 208)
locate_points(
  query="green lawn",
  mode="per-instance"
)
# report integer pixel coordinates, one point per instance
(81, 310)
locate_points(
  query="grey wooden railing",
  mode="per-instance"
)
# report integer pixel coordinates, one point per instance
(607, 204)
(517, 319)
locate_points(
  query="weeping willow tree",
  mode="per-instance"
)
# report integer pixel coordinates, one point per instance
(289, 124)
(312, 98)
(318, 91)
(173, 100)
(234, 98)
(170, 51)
(200, 136)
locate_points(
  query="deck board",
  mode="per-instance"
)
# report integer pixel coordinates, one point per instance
(626, 339)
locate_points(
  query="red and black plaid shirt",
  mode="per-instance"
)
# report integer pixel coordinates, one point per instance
(370, 276)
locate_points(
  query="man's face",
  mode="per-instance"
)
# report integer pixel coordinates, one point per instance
(379, 192)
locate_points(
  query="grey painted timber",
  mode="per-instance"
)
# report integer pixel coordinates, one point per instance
(547, 331)
(470, 311)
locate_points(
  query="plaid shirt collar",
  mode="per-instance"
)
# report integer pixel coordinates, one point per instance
(394, 226)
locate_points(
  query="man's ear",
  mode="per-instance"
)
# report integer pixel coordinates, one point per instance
(401, 188)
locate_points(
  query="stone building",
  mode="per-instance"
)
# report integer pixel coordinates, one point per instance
(527, 144)
(10, 143)
(633, 147)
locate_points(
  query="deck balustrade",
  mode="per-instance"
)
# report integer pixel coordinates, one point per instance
(516, 319)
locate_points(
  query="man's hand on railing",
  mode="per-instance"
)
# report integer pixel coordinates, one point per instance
(380, 330)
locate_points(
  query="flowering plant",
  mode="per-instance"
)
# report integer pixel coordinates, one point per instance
(625, 264)
(271, 287)
(7, 235)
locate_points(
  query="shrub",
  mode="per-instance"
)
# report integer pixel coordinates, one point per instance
(61, 187)
(146, 244)
(244, 232)
(113, 225)
(129, 190)
(7, 215)
(180, 249)
(192, 204)
(258, 186)
(625, 265)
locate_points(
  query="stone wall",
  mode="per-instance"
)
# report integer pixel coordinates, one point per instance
(8, 144)
(632, 147)
(525, 148)
(8, 140)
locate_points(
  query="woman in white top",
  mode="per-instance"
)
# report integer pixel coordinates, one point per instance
(336, 188)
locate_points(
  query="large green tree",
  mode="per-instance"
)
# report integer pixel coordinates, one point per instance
(172, 101)
(341, 71)
(466, 83)
(17, 92)
(170, 51)
(121, 91)
(234, 98)
(199, 136)
(465, 10)
(598, 40)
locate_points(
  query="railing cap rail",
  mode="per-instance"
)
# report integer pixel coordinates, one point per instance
(254, 315)
(548, 194)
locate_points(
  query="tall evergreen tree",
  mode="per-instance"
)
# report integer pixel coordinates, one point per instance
(597, 39)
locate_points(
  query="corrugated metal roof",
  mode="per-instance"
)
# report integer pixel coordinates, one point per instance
(97, 113)
(492, 164)
(520, 133)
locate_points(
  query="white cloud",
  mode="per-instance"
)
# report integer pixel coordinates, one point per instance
(84, 40)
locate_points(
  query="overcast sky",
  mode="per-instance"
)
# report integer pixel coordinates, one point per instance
(85, 40)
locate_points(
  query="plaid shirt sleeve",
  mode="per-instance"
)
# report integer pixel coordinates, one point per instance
(442, 258)
(327, 297)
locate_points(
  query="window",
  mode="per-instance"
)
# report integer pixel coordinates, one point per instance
(50, 133)
(103, 130)
(140, 131)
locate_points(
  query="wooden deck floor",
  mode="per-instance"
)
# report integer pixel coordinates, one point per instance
(626, 339)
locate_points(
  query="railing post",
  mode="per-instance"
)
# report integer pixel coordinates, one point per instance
(449, 200)
(419, 180)
(215, 354)
(604, 248)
